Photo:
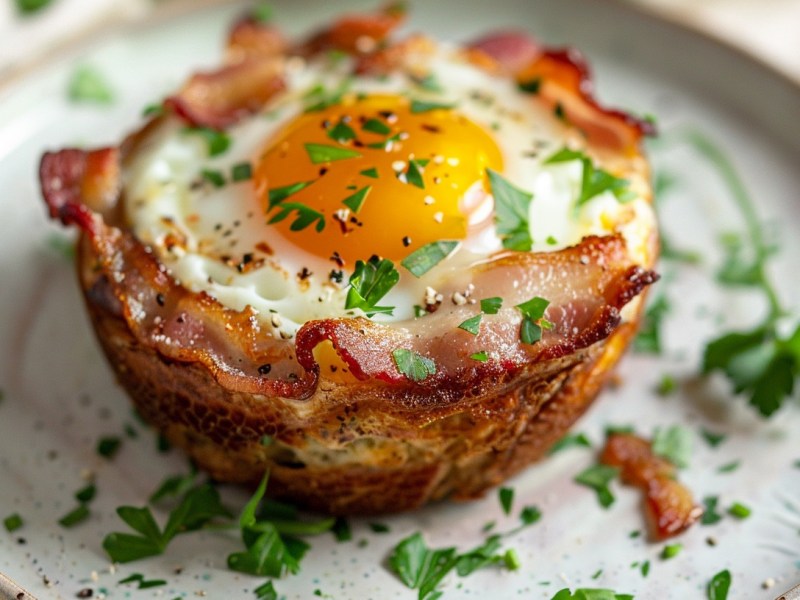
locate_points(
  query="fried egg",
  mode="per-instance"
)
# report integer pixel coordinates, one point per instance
(340, 168)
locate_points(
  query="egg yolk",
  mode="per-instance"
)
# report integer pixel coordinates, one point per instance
(373, 175)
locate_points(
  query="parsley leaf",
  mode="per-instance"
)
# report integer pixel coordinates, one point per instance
(217, 141)
(597, 477)
(491, 306)
(322, 153)
(481, 356)
(197, 507)
(413, 365)
(376, 126)
(570, 440)
(471, 325)
(590, 594)
(413, 174)
(674, 444)
(27, 7)
(510, 212)
(13, 522)
(306, 216)
(506, 496)
(719, 585)
(356, 201)
(370, 282)
(594, 181)
(266, 591)
(739, 510)
(713, 439)
(710, 514)
(341, 132)
(424, 259)
(648, 340)
(143, 583)
(533, 321)
(420, 106)
(89, 85)
(278, 195)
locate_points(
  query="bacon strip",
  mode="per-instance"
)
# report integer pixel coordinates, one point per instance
(669, 506)
(250, 38)
(220, 98)
(565, 80)
(357, 33)
(587, 285)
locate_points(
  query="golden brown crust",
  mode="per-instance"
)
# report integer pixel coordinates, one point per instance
(460, 455)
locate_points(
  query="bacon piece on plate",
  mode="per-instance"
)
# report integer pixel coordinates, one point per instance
(669, 506)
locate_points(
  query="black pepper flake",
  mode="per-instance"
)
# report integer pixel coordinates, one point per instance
(431, 128)
(304, 274)
(322, 171)
(406, 241)
(326, 124)
(160, 299)
(336, 257)
(218, 226)
(387, 114)
(85, 593)
(264, 369)
(358, 143)
(336, 276)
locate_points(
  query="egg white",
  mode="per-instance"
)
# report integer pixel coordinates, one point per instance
(192, 225)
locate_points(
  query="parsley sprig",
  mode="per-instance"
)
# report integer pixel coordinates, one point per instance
(761, 363)
(370, 282)
(594, 181)
(198, 507)
(511, 212)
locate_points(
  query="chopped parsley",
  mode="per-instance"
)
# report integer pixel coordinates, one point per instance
(713, 439)
(278, 195)
(214, 177)
(270, 533)
(423, 568)
(590, 594)
(376, 126)
(379, 527)
(372, 172)
(674, 444)
(594, 181)
(143, 583)
(666, 386)
(322, 153)
(719, 586)
(729, 467)
(511, 212)
(266, 591)
(370, 282)
(506, 496)
(710, 514)
(305, 216)
(739, 510)
(197, 507)
(153, 110)
(530, 86)
(472, 325)
(648, 340)
(530, 515)
(217, 141)
(533, 321)
(481, 356)
(341, 132)
(570, 440)
(428, 83)
(75, 516)
(424, 259)
(13, 522)
(87, 84)
(341, 530)
(421, 106)
(262, 12)
(413, 365)
(28, 7)
(241, 172)
(671, 551)
(597, 477)
(491, 306)
(413, 174)
(174, 485)
(356, 200)
(108, 446)
(320, 98)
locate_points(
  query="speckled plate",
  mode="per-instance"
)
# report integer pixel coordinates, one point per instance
(59, 397)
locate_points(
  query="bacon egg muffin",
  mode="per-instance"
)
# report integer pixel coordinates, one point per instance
(387, 271)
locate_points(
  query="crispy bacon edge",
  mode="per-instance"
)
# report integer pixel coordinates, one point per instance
(564, 78)
(669, 506)
(193, 327)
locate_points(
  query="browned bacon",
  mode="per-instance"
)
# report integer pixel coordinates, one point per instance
(669, 506)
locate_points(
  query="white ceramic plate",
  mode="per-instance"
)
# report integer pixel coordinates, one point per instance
(59, 395)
